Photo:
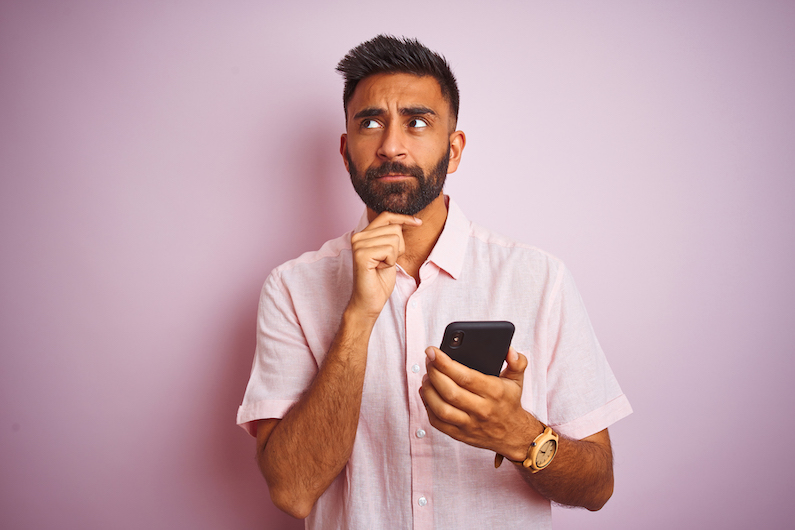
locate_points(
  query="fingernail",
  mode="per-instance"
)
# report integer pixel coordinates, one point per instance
(430, 353)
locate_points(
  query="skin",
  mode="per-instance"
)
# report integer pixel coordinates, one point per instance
(381, 127)
(486, 411)
(401, 117)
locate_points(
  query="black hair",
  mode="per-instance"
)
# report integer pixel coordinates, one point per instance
(389, 54)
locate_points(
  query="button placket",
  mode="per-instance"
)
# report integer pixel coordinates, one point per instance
(421, 449)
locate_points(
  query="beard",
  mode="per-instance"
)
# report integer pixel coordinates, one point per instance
(407, 198)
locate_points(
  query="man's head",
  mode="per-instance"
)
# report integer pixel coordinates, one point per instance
(388, 54)
(401, 140)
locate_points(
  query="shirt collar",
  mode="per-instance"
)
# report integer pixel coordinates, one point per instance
(448, 253)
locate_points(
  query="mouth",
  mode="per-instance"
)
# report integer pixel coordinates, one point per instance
(393, 177)
(394, 172)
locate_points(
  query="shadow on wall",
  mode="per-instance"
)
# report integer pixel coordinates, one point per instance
(228, 449)
(307, 184)
(309, 200)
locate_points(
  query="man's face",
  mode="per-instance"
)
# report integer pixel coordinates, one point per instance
(398, 144)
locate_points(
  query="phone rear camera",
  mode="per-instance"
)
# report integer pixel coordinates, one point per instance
(457, 339)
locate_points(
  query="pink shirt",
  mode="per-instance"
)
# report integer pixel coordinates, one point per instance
(402, 472)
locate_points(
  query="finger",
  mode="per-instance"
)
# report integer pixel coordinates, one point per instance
(392, 222)
(442, 426)
(376, 234)
(516, 365)
(390, 218)
(391, 234)
(438, 408)
(392, 241)
(376, 256)
(463, 376)
(451, 392)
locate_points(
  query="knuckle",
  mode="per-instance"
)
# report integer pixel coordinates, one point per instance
(453, 396)
(445, 415)
(360, 255)
(484, 413)
(465, 379)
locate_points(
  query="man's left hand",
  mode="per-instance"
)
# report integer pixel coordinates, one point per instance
(477, 409)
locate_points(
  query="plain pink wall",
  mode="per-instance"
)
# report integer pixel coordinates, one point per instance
(156, 161)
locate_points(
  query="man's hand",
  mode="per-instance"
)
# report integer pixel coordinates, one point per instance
(376, 250)
(477, 409)
(301, 454)
(486, 411)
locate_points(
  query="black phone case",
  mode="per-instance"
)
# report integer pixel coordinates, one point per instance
(482, 345)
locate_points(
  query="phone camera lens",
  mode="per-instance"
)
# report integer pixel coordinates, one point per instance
(457, 339)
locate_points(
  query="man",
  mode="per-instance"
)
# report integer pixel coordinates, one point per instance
(360, 421)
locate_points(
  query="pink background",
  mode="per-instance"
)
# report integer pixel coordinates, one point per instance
(158, 159)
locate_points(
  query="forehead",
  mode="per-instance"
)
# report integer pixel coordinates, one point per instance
(392, 91)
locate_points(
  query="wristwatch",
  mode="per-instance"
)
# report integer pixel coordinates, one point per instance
(540, 453)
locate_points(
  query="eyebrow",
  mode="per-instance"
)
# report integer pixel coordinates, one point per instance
(412, 111)
(371, 112)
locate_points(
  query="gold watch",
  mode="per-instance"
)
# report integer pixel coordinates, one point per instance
(540, 453)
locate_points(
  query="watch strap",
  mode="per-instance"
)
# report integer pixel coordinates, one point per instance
(528, 462)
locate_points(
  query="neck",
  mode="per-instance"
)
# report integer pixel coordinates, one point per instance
(420, 240)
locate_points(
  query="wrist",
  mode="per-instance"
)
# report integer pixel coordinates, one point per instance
(358, 321)
(535, 454)
(531, 429)
(364, 309)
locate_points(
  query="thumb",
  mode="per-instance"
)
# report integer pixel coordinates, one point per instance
(517, 363)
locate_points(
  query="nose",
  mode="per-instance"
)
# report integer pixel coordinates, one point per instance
(392, 146)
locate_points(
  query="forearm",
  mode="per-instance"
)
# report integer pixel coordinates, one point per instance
(581, 473)
(301, 454)
(307, 449)
(487, 412)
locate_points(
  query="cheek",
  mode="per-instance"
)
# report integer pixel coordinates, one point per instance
(362, 150)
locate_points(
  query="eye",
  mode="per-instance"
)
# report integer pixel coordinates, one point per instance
(370, 124)
(418, 123)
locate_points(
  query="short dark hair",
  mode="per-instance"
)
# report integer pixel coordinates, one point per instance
(389, 54)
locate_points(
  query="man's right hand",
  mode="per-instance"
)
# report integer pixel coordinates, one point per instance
(301, 454)
(376, 250)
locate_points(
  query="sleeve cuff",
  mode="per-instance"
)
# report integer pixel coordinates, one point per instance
(597, 420)
(249, 413)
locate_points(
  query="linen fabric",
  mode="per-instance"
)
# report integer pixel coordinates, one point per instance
(403, 473)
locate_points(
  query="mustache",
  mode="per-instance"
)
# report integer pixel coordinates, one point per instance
(392, 168)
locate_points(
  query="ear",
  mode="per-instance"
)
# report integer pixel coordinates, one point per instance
(343, 149)
(457, 142)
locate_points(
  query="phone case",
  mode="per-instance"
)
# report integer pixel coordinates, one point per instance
(480, 345)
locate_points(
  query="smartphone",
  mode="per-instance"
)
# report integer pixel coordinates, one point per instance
(481, 345)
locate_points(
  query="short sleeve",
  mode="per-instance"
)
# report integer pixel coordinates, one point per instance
(583, 395)
(283, 363)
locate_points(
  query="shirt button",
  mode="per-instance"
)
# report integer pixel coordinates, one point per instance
(413, 304)
(420, 433)
(415, 368)
(422, 501)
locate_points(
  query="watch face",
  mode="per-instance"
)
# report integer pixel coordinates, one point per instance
(545, 453)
